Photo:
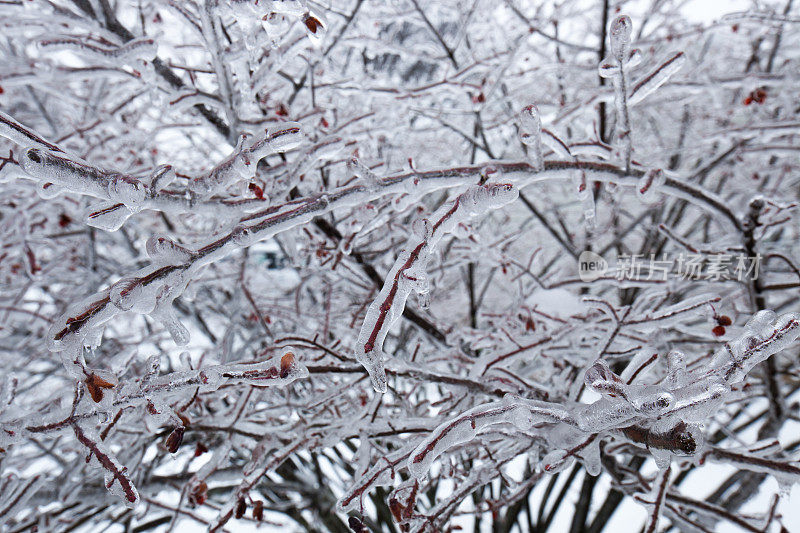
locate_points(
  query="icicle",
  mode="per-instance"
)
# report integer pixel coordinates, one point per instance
(166, 315)
(586, 197)
(590, 456)
(366, 176)
(676, 369)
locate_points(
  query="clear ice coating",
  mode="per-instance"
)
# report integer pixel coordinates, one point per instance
(764, 335)
(668, 414)
(655, 79)
(530, 132)
(284, 136)
(163, 250)
(108, 216)
(649, 186)
(285, 243)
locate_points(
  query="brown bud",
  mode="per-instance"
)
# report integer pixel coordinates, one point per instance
(174, 439)
(241, 507)
(199, 494)
(286, 364)
(95, 385)
(258, 510)
(200, 449)
(312, 23)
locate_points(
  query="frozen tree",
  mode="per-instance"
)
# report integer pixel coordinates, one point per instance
(377, 265)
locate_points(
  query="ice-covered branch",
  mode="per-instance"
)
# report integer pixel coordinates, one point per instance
(408, 272)
(117, 480)
(154, 288)
(656, 78)
(663, 417)
(615, 67)
(153, 392)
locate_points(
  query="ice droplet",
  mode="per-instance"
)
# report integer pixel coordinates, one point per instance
(556, 461)
(243, 235)
(47, 190)
(164, 250)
